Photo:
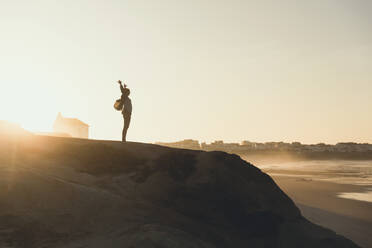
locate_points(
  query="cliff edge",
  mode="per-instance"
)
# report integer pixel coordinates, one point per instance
(64, 192)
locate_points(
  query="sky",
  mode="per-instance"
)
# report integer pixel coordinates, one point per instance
(228, 70)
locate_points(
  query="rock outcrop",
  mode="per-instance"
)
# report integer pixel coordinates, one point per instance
(64, 192)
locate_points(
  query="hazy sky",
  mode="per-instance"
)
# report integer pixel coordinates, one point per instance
(232, 70)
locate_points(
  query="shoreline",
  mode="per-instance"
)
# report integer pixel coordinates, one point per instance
(355, 229)
(324, 195)
(319, 201)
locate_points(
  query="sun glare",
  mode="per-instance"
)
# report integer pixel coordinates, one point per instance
(27, 107)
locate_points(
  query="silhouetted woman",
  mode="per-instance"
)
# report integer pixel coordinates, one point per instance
(127, 109)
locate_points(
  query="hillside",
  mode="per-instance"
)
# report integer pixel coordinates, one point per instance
(64, 192)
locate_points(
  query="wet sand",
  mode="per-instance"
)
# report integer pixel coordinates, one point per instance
(319, 202)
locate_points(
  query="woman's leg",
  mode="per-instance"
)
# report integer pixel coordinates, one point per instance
(126, 126)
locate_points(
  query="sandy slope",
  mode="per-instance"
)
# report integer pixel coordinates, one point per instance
(63, 192)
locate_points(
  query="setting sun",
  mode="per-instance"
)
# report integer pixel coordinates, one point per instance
(29, 104)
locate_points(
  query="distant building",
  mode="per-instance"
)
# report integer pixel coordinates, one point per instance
(71, 126)
(247, 146)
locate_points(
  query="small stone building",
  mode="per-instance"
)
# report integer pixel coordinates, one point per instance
(71, 126)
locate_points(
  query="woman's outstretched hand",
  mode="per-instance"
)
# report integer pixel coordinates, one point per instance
(119, 82)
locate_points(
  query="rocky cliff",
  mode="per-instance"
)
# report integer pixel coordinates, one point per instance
(64, 192)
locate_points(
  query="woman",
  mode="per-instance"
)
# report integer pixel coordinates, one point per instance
(127, 109)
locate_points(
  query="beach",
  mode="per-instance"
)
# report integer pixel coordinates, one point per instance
(333, 194)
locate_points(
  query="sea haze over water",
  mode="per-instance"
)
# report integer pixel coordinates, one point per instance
(337, 171)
